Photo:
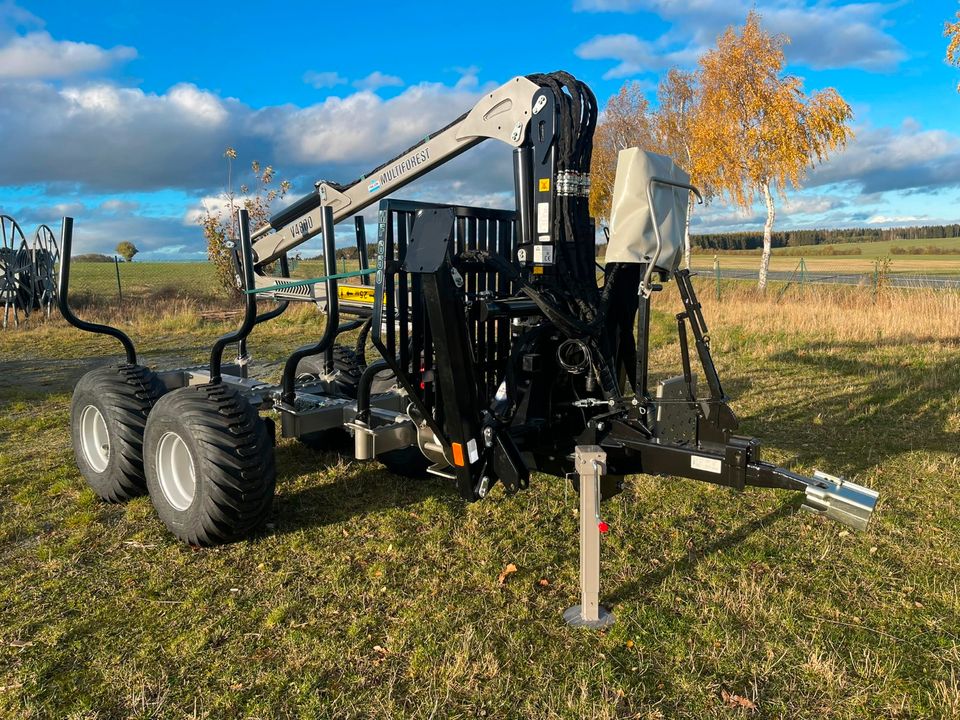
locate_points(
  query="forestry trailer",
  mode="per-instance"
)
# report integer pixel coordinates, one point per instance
(501, 347)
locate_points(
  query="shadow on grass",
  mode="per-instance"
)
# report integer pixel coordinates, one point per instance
(635, 588)
(358, 489)
(61, 374)
(871, 408)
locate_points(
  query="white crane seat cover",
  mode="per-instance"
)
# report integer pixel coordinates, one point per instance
(632, 235)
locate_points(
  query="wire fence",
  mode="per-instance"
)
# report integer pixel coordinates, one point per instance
(800, 273)
(175, 294)
(108, 289)
(118, 283)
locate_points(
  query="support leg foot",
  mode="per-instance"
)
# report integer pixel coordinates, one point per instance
(573, 616)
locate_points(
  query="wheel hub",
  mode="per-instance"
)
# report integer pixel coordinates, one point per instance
(175, 471)
(94, 438)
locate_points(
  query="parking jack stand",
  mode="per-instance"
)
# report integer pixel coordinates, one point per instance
(590, 466)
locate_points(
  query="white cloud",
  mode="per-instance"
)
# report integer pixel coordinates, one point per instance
(468, 77)
(323, 79)
(101, 225)
(888, 158)
(12, 15)
(894, 220)
(377, 80)
(217, 205)
(635, 56)
(38, 55)
(810, 204)
(112, 138)
(205, 108)
(105, 137)
(824, 33)
(116, 205)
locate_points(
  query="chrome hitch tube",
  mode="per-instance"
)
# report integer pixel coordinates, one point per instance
(833, 497)
(841, 500)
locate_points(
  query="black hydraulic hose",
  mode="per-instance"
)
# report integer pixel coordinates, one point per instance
(360, 348)
(63, 288)
(250, 300)
(332, 328)
(299, 207)
(364, 385)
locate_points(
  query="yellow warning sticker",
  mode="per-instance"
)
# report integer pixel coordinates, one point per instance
(537, 270)
(544, 184)
(356, 293)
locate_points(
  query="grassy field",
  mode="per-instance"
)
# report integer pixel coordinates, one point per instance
(917, 263)
(95, 284)
(882, 248)
(140, 278)
(373, 596)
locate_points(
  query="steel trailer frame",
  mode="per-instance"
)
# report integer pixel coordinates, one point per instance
(504, 354)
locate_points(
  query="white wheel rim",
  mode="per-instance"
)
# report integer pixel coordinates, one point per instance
(94, 438)
(175, 472)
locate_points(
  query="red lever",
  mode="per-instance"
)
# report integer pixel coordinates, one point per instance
(603, 527)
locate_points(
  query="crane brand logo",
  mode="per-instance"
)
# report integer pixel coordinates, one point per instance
(402, 167)
(302, 228)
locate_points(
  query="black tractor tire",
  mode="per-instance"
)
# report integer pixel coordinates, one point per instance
(209, 464)
(110, 407)
(347, 369)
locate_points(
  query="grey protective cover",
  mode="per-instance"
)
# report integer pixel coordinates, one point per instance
(632, 236)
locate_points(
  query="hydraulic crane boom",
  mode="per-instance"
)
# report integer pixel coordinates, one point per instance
(503, 114)
(500, 352)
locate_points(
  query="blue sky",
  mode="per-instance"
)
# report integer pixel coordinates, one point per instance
(118, 114)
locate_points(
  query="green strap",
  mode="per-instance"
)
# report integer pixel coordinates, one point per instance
(311, 281)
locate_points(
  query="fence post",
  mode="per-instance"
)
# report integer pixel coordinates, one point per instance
(116, 265)
(343, 263)
(803, 272)
(716, 272)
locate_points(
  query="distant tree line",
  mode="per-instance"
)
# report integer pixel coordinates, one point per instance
(928, 250)
(799, 238)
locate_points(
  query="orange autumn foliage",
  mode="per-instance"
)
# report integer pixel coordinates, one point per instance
(625, 123)
(758, 130)
(951, 30)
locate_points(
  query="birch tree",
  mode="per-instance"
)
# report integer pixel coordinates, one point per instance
(760, 131)
(951, 30)
(674, 122)
(625, 123)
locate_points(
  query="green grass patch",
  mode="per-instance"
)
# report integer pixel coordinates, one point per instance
(883, 248)
(373, 596)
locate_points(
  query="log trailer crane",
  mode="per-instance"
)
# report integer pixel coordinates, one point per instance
(500, 350)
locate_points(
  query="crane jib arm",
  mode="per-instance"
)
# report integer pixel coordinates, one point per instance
(503, 114)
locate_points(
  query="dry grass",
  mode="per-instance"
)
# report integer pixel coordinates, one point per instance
(912, 264)
(370, 596)
(837, 313)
